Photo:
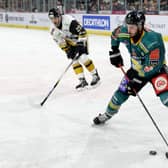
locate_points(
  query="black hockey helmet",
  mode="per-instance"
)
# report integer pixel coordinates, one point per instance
(135, 17)
(54, 12)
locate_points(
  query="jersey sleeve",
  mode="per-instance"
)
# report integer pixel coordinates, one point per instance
(59, 37)
(119, 35)
(77, 29)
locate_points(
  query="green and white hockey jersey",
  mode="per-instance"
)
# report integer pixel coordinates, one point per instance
(147, 54)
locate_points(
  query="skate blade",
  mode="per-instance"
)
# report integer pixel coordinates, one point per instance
(98, 125)
(82, 89)
(96, 85)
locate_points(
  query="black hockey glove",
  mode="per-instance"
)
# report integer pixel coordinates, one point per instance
(135, 82)
(71, 52)
(78, 49)
(115, 57)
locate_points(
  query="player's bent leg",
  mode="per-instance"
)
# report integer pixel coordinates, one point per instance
(116, 101)
(164, 98)
(78, 69)
(88, 63)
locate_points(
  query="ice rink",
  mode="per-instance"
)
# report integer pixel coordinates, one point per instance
(61, 134)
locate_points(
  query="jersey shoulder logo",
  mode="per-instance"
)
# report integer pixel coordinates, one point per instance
(155, 54)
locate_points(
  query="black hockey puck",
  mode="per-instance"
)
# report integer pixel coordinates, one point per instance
(152, 152)
(166, 154)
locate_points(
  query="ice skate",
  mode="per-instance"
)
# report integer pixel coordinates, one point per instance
(82, 85)
(101, 119)
(95, 80)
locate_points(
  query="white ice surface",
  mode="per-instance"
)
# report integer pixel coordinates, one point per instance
(60, 134)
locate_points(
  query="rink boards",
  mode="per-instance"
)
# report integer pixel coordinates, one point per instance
(95, 24)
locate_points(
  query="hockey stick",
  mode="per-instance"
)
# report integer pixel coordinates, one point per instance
(58, 81)
(147, 111)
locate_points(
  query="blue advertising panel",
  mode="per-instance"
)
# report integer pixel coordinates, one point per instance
(96, 22)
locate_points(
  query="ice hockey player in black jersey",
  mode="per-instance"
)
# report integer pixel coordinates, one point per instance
(71, 37)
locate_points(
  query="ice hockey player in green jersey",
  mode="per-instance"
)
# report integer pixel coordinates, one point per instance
(148, 64)
(71, 37)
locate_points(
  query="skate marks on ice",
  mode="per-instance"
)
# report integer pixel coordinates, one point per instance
(35, 101)
(115, 145)
(31, 152)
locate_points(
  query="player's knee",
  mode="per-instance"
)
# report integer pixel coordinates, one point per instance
(164, 98)
(83, 58)
(77, 67)
(89, 65)
(116, 101)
